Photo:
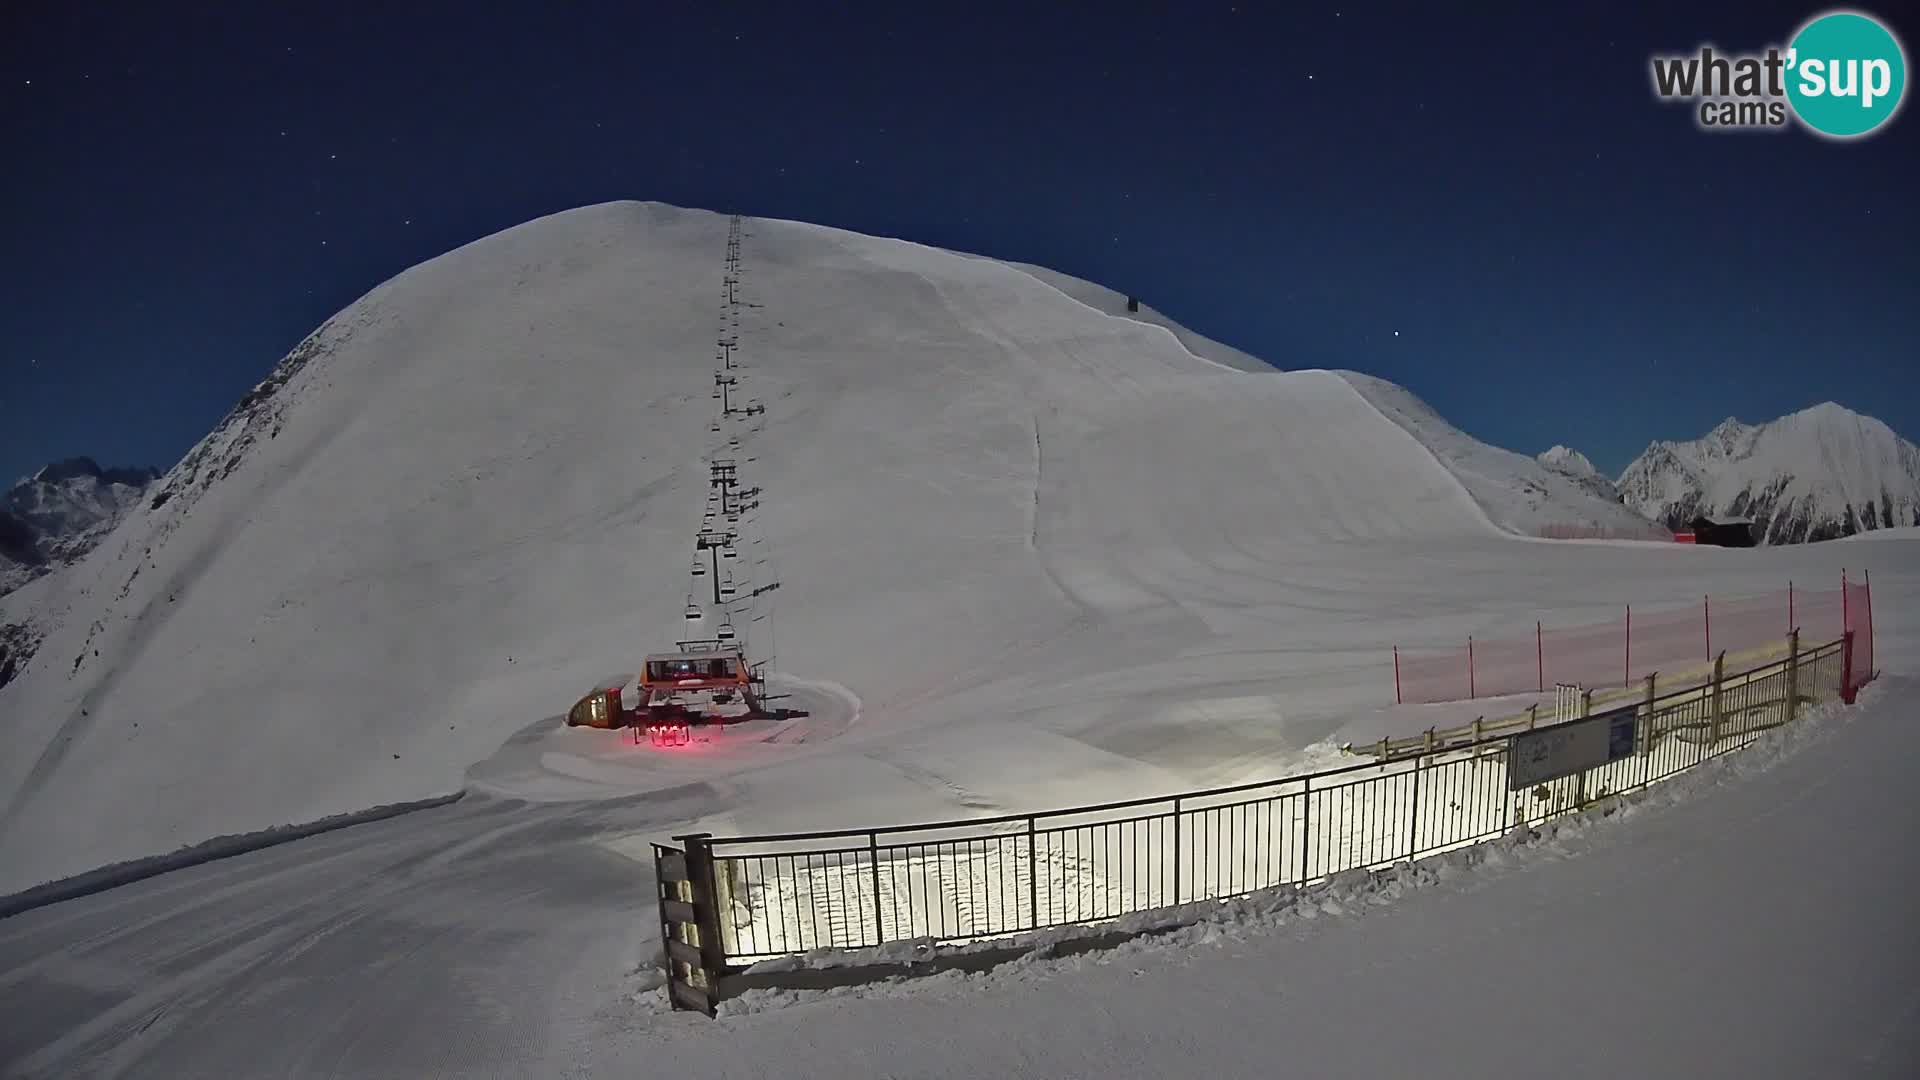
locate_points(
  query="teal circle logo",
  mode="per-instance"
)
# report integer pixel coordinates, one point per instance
(1846, 74)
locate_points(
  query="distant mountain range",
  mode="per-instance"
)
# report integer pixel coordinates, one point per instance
(55, 516)
(1574, 465)
(1817, 474)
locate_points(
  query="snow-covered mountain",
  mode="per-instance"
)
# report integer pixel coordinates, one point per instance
(1574, 465)
(55, 516)
(1817, 474)
(1024, 533)
(1568, 460)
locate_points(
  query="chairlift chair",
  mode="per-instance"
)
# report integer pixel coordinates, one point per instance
(693, 611)
(729, 553)
(726, 588)
(724, 632)
(699, 568)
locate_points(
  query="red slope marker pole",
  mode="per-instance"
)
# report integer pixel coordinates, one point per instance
(1790, 623)
(1471, 692)
(1397, 700)
(1539, 660)
(1706, 605)
(1627, 678)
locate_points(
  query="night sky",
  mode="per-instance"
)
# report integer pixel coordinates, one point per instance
(1488, 208)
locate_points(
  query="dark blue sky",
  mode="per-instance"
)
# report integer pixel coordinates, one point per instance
(190, 188)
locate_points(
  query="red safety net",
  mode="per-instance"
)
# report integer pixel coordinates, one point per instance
(1638, 643)
(1585, 531)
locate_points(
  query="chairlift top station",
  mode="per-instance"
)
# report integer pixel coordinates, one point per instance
(705, 680)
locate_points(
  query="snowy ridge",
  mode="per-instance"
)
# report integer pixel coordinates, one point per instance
(1516, 492)
(1109, 302)
(1817, 474)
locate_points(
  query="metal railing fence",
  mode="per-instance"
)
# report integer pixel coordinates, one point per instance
(953, 881)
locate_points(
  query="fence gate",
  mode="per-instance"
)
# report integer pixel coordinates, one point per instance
(689, 932)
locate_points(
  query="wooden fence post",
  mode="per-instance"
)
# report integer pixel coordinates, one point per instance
(1793, 674)
(1643, 732)
(1719, 714)
(1706, 608)
(1846, 668)
(705, 958)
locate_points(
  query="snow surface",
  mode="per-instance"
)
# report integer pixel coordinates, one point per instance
(1632, 944)
(1716, 926)
(1821, 472)
(1053, 555)
(1027, 554)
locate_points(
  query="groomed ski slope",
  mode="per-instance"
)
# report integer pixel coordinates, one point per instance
(1038, 554)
